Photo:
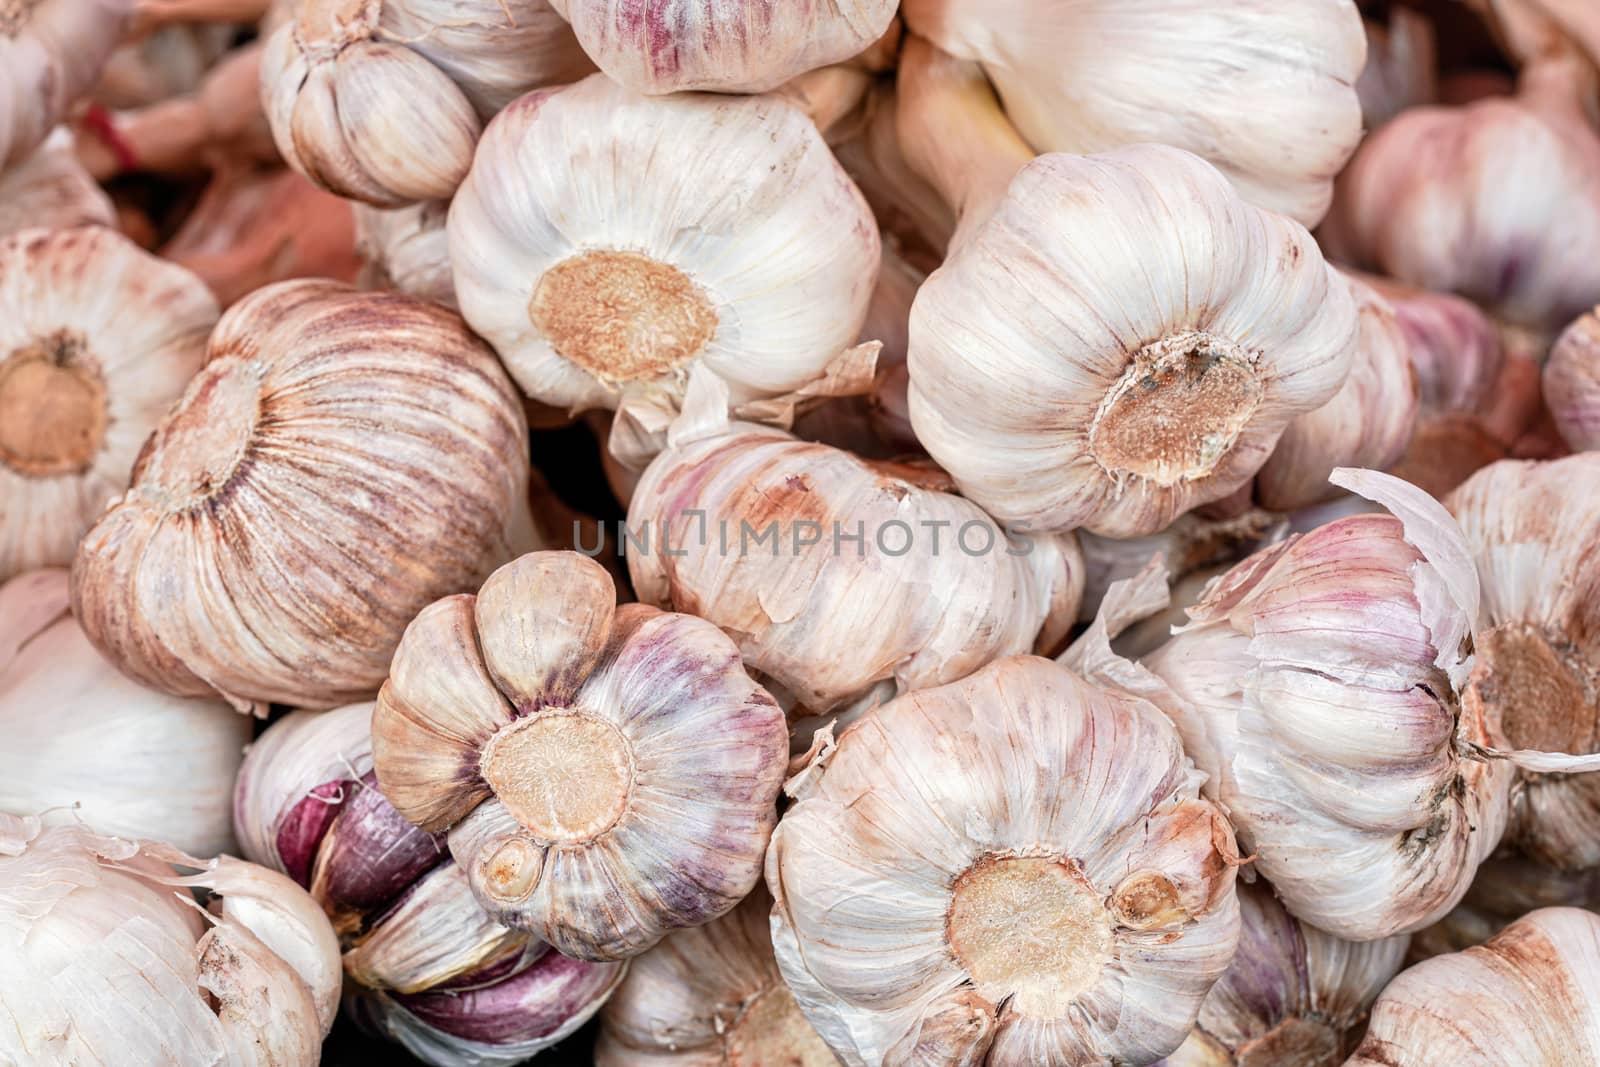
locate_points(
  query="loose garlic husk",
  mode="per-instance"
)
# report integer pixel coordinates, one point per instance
(1525, 997)
(342, 460)
(1507, 887)
(1572, 383)
(1091, 75)
(1402, 68)
(107, 960)
(606, 774)
(842, 579)
(615, 248)
(406, 249)
(50, 190)
(341, 81)
(1113, 339)
(707, 997)
(426, 967)
(1293, 996)
(84, 742)
(1012, 869)
(728, 46)
(97, 338)
(51, 52)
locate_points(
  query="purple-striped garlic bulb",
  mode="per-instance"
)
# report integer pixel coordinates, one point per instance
(605, 774)
(1572, 383)
(424, 965)
(51, 54)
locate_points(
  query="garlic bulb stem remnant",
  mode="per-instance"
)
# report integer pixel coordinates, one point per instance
(1572, 383)
(51, 52)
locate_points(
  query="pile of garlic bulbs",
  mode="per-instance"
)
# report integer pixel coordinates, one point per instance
(789, 533)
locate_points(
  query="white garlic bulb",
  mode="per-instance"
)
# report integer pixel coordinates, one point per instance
(107, 960)
(616, 248)
(840, 578)
(1525, 997)
(708, 996)
(1293, 996)
(406, 249)
(1012, 869)
(50, 190)
(729, 46)
(1091, 75)
(97, 338)
(1114, 339)
(1572, 383)
(85, 741)
(606, 774)
(341, 80)
(51, 52)
(343, 459)
(1402, 67)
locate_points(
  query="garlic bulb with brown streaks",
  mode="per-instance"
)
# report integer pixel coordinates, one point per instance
(1525, 997)
(1293, 996)
(406, 249)
(707, 997)
(342, 82)
(97, 338)
(344, 459)
(1012, 869)
(842, 579)
(615, 248)
(1114, 339)
(1265, 91)
(51, 52)
(606, 774)
(1572, 383)
(50, 190)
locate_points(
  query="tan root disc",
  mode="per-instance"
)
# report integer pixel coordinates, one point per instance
(772, 1032)
(1539, 690)
(1031, 928)
(52, 407)
(1176, 410)
(205, 442)
(565, 776)
(622, 316)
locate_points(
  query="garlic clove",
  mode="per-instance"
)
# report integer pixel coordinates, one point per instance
(368, 855)
(543, 623)
(407, 250)
(1572, 383)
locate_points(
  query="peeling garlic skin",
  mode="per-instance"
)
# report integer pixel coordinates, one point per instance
(51, 54)
(1527, 996)
(1012, 869)
(1572, 383)
(343, 459)
(1533, 535)
(97, 338)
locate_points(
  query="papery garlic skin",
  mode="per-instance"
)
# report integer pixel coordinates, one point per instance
(1534, 538)
(1091, 75)
(708, 996)
(97, 339)
(728, 46)
(50, 190)
(85, 741)
(1572, 383)
(615, 247)
(341, 80)
(932, 590)
(407, 249)
(51, 52)
(1524, 997)
(343, 459)
(606, 774)
(1011, 869)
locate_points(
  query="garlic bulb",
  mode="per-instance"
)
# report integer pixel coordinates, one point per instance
(1507, 887)
(1121, 338)
(51, 52)
(1525, 997)
(615, 248)
(1091, 75)
(1316, 686)
(1532, 532)
(51, 190)
(1292, 996)
(729, 46)
(97, 338)
(341, 81)
(1011, 869)
(1402, 67)
(343, 459)
(426, 967)
(106, 960)
(83, 740)
(840, 578)
(606, 774)
(406, 249)
(710, 996)
(1572, 383)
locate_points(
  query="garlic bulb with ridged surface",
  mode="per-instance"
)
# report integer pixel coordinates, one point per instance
(51, 52)
(406, 249)
(1114, 339)
(97, 339)
(1572, 383)
(606, 774)
(841, 578)
(1264, 90)
(343, 459)
(50, 190)
(1012, 869)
